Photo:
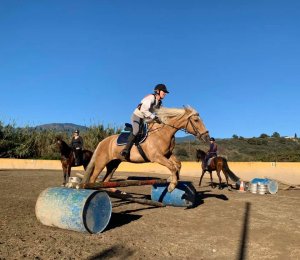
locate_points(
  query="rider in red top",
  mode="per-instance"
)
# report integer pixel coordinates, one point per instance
(212, 152)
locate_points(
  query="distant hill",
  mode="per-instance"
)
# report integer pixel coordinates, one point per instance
(61, 127)
(188, 138)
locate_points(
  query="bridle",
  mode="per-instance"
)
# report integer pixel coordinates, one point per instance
(198, 134)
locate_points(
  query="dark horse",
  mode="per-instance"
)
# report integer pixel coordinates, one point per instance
(68, 159)
(217, 164)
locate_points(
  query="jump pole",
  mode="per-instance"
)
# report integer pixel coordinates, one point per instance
(114, 184)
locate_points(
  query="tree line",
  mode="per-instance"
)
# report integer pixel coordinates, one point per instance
(36, 143)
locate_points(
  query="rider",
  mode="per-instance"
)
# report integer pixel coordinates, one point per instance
(212, 152)
(145, 111)
(77, 146)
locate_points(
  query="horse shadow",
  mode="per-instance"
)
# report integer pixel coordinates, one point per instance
(200, 197)
(121, 219)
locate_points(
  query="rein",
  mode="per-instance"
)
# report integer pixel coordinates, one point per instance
(198, 134)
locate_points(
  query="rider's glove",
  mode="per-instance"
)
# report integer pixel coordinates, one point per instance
(157, 120)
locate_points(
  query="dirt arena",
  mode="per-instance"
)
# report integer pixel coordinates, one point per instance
(223, 225)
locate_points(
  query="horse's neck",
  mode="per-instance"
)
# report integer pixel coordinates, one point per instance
(65, 149)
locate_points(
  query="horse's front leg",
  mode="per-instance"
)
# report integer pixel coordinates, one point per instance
(211, 180)
(203, 171)
(65, 171)
(173, 169)
(176, 163)
(68, 171)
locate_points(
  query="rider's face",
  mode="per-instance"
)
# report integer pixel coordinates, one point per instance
(162, 94)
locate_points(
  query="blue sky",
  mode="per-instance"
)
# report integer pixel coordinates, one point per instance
(89, 62)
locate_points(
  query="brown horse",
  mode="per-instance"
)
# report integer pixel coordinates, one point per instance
(68, 159)
(158, 147)
(217, 164)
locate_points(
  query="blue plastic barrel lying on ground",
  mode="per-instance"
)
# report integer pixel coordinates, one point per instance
(182, 196)
(271, 184)
(79, 210)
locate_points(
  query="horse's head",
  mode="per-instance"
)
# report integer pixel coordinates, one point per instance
(200, 155)
(194, 124)
(186, 119)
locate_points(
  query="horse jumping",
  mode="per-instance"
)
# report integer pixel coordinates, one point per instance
(158, 147)
(68, 159)
(217, 164)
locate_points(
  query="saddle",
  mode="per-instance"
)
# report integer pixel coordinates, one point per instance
(210, 160)
(140, 138)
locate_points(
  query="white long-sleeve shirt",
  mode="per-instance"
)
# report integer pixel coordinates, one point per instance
(146, 108)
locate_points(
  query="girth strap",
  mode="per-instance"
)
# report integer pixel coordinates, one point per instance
(141, 151)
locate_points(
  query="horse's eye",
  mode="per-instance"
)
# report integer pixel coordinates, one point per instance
(196, 120)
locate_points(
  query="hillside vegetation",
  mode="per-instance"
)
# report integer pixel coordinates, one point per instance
(265, 149)
(39, 143)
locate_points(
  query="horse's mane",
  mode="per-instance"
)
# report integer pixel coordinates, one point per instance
(165, 113)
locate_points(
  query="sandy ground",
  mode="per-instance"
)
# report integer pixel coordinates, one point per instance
(223, 225)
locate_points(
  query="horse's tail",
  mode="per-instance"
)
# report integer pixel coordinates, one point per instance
(226, 169)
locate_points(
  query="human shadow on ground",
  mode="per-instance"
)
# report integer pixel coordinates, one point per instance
(244, 233)
(115, 251)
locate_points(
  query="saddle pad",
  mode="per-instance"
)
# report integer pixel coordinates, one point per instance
(141, 137)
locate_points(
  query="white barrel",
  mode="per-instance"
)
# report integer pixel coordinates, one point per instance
(262, 189)
(253, 188)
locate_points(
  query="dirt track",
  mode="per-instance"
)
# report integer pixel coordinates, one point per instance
(223, 225)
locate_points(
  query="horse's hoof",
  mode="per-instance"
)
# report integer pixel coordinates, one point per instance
(171, 187)
(220, 188)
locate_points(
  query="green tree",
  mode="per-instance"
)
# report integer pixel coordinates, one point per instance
(263, 136)
(276, 135)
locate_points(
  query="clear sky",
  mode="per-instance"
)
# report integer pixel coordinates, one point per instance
(89, 62)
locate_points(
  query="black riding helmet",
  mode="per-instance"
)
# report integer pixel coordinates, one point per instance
(161, 87)
(76, 131)
(212, 139)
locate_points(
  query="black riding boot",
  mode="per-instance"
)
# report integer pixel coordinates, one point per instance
(126, 151)
(77, 154)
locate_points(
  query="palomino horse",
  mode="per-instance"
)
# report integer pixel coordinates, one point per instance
(68, 159)
(158, 146)
(217, 164)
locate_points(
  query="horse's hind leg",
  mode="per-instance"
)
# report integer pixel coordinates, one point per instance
(98, 168)
(226, 177)
(111, 167)
(220, 179)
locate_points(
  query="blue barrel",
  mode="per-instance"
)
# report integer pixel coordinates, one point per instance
(182, 196)
(271, 184)
(79, 210)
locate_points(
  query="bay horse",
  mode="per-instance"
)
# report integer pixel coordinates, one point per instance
(158, 146)
(68, 159)
(217, 164)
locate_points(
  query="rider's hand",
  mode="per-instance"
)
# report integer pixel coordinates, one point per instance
(157, 120)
